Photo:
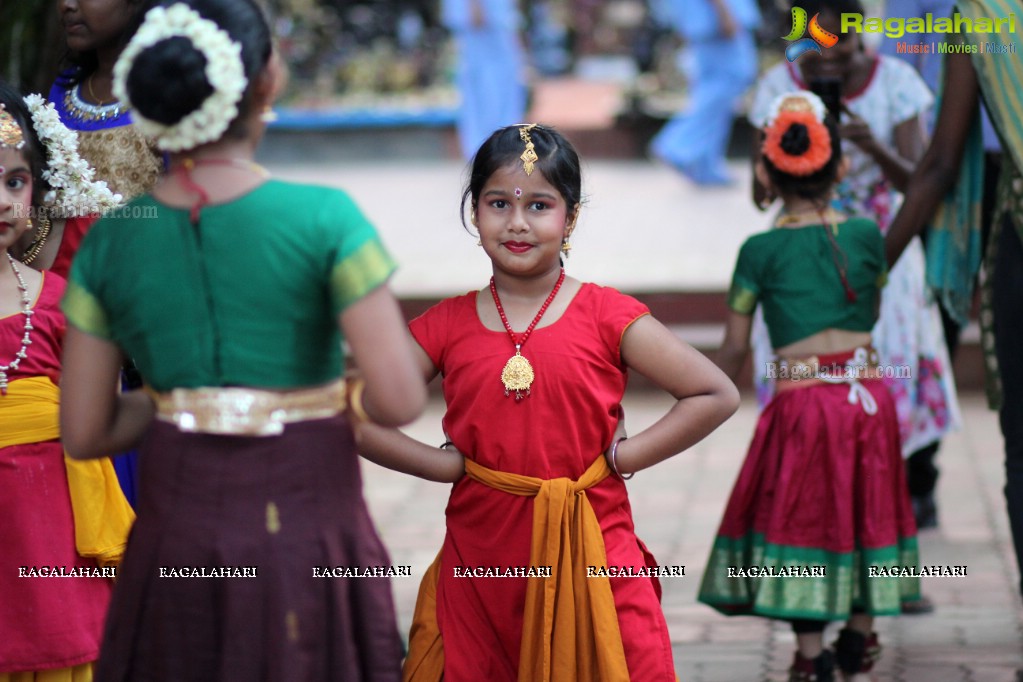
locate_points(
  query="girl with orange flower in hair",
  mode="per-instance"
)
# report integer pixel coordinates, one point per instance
(821, 500)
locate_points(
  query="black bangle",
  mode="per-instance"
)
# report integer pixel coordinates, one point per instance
(445, 444)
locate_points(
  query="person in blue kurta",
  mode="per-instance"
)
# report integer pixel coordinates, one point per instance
(719, 34)
(490, 73)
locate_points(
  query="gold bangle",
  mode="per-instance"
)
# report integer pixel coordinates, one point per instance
(356, 410)
(614, 460)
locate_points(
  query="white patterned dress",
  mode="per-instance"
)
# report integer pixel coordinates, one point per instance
(908, 336)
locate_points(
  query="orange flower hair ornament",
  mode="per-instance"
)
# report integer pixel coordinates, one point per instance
(806, 109)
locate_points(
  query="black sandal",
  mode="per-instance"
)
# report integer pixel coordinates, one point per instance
(820, 669)
(856, 652)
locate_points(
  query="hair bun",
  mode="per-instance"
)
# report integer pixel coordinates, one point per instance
(796, 140)
(168, 80)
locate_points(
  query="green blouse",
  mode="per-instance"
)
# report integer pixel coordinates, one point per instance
(792, 273)
(249, 297)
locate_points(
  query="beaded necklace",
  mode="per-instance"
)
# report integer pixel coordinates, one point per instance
(518, 374)
(26, 310)
(80, 110)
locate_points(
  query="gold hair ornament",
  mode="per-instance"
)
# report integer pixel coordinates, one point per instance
(10, 131)
(528, 156)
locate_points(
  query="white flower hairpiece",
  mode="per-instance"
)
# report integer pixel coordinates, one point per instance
(224, 72)
(798, 100)
(73, 192)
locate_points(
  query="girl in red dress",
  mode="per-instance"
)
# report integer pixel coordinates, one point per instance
(534, 367)
(56, 560)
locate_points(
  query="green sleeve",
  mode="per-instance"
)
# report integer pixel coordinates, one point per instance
(81, 304)
(745, 290)
(359, 262)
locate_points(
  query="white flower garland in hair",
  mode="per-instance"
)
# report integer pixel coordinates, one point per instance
(73, 192)
(812, 102)
(224, 72)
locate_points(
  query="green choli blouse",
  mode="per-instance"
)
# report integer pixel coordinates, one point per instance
(792, 273)
(249, 297)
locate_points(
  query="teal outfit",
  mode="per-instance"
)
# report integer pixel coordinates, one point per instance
(248, 296)
(245, 298)
(791, 271)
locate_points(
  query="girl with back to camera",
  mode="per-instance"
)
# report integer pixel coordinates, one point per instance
(232, 294)
(821, 492)
(534, 368)
(883, 101)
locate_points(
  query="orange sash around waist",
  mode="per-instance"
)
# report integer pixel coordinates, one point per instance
(102, 515)
(570, 625)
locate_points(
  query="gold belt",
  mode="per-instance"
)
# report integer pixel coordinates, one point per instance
(861, 363)
(835, 368)
(240, 411)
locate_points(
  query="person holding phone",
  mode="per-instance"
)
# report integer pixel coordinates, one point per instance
(883, 101)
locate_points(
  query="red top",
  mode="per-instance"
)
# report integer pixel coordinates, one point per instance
(45, 623)
(558, 430)
(43, 354)
(74, 231)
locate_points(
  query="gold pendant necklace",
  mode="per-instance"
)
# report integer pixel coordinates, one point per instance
(518, 374)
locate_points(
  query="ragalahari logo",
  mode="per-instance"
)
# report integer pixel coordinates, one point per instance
(818, 36)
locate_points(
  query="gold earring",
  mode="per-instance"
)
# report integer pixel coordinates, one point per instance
(472, 216)
(569, 229)
(268, 115)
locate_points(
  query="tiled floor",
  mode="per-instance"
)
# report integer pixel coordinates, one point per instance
(974, 635)
(644, 229)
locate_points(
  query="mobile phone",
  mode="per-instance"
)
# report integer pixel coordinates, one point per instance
(830, 92)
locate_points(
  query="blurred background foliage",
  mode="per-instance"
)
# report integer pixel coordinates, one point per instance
(366, 53)
(30, 43)
(333, 47)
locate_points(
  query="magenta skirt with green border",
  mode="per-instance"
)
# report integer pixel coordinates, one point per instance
(820, 515)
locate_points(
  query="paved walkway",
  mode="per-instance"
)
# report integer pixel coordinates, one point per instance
(973, 636)
(644, 229)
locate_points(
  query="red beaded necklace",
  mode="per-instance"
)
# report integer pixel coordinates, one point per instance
(518, 373)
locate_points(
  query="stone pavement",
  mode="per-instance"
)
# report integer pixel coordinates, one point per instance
(974, 635)
(644, 229)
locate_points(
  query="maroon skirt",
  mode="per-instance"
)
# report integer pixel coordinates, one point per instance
(219, 581)
(822, 487)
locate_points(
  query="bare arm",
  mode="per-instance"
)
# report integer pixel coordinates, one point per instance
(897, 164)
(706, 398)
(383, 349)
(392, 449)
(938, 169)
(95, 420)
(735, 346)
(727, 26)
